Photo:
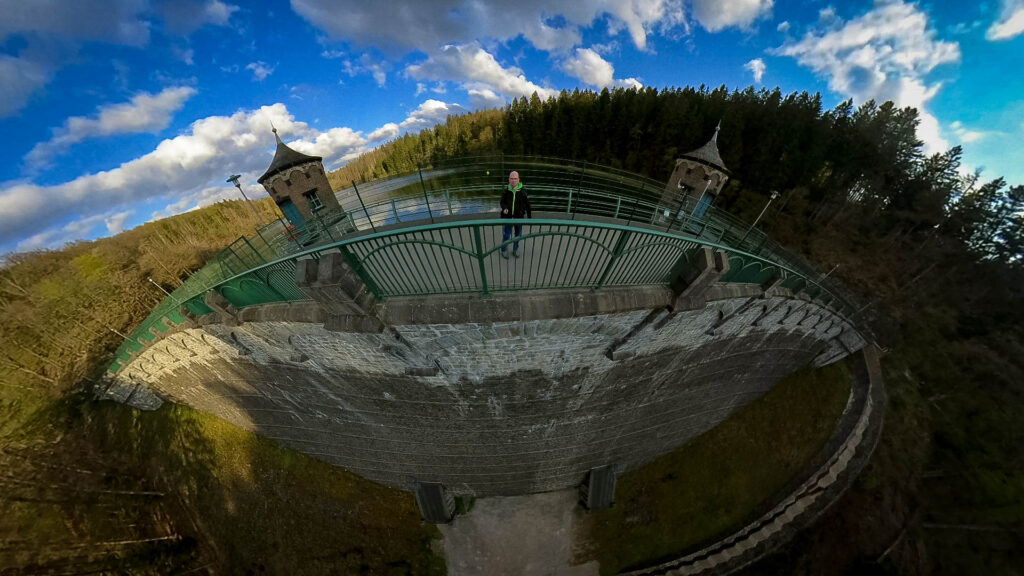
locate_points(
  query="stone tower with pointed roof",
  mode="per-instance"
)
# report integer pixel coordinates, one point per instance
(697, 179)
(298, 184)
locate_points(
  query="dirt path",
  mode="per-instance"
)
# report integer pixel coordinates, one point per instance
(527, 535)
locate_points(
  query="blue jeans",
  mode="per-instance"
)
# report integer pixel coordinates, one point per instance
(506, 233)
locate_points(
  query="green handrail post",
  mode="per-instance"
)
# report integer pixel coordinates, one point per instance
(568, 206)
(424, 188)
(632, 211)
(235, 254)
(394, 210)
(448, 200)
(620, 245)
(323, 227)
(480, 257)
(618, 204)
(579, 186)
(259, 233)
(368, 219)
(255, 251)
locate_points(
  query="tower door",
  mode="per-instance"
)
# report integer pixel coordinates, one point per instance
(291, 212)
(702, 206)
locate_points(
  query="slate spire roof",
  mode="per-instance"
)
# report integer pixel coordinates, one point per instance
(708, 153)
(285, 158)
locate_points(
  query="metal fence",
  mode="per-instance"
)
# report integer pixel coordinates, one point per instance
(376, 229)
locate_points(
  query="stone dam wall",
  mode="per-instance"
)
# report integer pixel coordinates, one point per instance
(493, 408)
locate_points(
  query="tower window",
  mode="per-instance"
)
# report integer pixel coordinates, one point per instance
(314, 201)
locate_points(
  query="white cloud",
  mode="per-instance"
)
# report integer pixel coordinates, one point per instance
(475, 69)
(961, 28)
(186, 55)
(606, 49)
(195, 199)
(757, 68)
(388, 131)
(482, 99)
(964, 135)
(181, 172)
(72, 231)
(1010, 23)
(425, 25)
(715, 15)
(783, 26)
(885, 54)
(144, 113)
(53, 30)
(115, 222)
(368, 65)
(590, 67)
(110, 21)
(187, 16)
(19, 79)
(429, 114)
(260, 70)
(336, 146)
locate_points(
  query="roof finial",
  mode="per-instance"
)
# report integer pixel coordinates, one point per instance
(717, 128)
(274, 130)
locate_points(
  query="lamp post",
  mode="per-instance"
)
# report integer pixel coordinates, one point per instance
(758, 219)
(234, 180)
(158, 286)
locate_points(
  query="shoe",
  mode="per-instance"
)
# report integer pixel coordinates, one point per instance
(515, 254)
(504, 255)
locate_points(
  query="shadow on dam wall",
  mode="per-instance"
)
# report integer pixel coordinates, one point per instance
(494, 408)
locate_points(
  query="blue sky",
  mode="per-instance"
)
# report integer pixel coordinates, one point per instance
(117, 112)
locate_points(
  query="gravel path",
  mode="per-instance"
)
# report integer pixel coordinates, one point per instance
(515, 535)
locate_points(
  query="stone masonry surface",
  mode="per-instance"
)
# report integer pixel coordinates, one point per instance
(496, 408)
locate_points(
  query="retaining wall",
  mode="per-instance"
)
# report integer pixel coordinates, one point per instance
(492, 408)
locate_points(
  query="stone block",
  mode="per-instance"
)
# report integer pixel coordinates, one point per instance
(334, 285)
(225, 310)
(358, 323)
(306, 272)
(692, 284)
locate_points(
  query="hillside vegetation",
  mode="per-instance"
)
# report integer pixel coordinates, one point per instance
(937, 255)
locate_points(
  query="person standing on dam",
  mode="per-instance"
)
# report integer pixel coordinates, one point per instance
(514, 204)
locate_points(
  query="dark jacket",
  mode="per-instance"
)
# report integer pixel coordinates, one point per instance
(517, 204)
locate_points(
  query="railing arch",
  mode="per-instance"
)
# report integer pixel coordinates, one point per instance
(612, 219)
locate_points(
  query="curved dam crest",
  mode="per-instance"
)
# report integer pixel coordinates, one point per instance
(493, 408)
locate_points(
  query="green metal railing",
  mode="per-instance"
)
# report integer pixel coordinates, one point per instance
(644, 242)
